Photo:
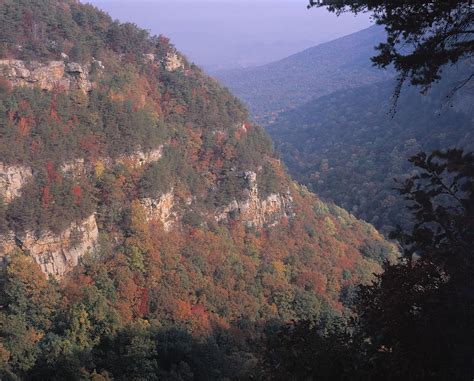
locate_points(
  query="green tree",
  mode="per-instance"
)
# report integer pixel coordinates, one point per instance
(308, 351)
(29, 302)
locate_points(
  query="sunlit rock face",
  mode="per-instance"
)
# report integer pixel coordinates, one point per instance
(254, 211)
(56, 254)
(137, 159)
(161, 209)
(47, 76)
(12, 179)
(141, 158)
(173, 61)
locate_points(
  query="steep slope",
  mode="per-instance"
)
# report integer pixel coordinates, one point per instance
(280, 86)
(138, 183)
(349, 149)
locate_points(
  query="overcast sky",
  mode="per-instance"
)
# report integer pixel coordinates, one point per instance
(233, 33)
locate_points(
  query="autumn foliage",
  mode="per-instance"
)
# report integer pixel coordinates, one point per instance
(175, 301)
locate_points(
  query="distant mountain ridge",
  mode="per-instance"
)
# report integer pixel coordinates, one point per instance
(321, 70)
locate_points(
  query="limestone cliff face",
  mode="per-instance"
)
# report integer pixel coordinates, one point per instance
(59, 253)
(137, 159)
(12, 179)
(141, 158)
(173, 61)
(75, 167)
(56, 254)
(47, 76)
(161, 209)
(257, 212)
(253, 211)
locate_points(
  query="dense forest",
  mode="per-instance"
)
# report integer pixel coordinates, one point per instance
(195, 301)
(349, 148)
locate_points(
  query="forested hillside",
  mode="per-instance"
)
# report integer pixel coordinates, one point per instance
(349, 148)
(147, 228)
(415, 321)
(341, 64)
(331, 116)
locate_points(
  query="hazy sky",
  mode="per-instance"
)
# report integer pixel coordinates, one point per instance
(232, 33)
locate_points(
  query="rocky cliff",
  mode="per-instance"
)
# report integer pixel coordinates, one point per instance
(55, 253)
(161, 209)
(47, 76)
(254, 211)
(59, 253)
(138, 159)
(12, 179)
(173, 61)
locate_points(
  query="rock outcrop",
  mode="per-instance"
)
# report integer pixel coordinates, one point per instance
(12, 179)
(161, 209)
(56, 254)
(141, 158)
(47, 76)
(137, 159)
(74, 167)
(257, 212)
(173, 61)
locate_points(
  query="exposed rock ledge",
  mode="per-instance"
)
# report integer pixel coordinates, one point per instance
(140, 158)
(12, 179)
(137, 159)
(256, 212)
(161, 209)
(47, 76)
(56, 254)
(173, 61)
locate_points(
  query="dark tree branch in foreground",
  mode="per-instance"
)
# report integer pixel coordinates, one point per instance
(422, 36)
(419, 313)
(441, 198)
(414, 322)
